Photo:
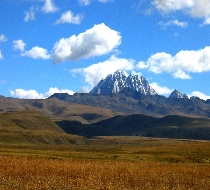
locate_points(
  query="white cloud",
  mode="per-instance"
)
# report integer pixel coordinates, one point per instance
(1, 56)
(179, 65)
(2, 82)
(172, 5)
(68, 17)
(206, 22)
(37, 53)
(84, 89)
(84, 2)
(96, 41)
(19, 45)
(94, 73)
(173, 22)
(33, 94)
(200, 9)
(162, 90)
(194, 8)
(49, 7)
(105, 1)
(3, 38)
(87, 2)
(56, 90)
(200, 95)
(181, 75)
(26, 94)
(29, 15)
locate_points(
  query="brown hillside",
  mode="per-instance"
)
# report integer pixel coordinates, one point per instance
(58, 110)
(32, 128)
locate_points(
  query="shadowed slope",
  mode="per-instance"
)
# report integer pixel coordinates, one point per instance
(172, 126)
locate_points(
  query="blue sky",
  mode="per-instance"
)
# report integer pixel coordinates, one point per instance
(49, 46)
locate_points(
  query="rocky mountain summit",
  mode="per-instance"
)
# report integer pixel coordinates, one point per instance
(178, 94)
(117, 82)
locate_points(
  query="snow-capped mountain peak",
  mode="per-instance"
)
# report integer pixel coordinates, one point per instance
(178, 94)
(116, 82)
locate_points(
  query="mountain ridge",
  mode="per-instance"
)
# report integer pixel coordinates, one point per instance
(132, 94)
(56, 109)
(133, 102)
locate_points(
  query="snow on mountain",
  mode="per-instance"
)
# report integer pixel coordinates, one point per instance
(178, 94)
(118, 81)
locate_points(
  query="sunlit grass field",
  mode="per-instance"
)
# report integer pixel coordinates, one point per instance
(39, 173)
(108, 163)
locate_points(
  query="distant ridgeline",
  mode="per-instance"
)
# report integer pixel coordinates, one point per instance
(132, 94)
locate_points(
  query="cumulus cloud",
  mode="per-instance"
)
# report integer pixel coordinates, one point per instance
(194, 8)
(206, 22)
(181, 64)
(1, 56)
(26, 94)
(162, 90)
(49, 7)
(2, 82)
(53, 90)
(3, 38)
(173, 5)
(84, 2)
(68, 17)
(19, 45)
(84, 89)
(200, 95)
(37, 53)
(33, 94)
(105, 1)
(96, 41)
(29, 15)
(94, 73)
(181, 75)
(200, 9)
(173, 23)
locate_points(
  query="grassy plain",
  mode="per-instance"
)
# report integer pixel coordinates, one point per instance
(108, 163)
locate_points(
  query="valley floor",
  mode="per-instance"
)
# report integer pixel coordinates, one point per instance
(38, 173)
(108, 163)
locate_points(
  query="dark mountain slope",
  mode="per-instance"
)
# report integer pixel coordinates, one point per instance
(172, 126)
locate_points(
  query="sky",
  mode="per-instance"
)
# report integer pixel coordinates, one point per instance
(49, 46)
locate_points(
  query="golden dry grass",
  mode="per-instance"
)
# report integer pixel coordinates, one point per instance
(26, 173)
